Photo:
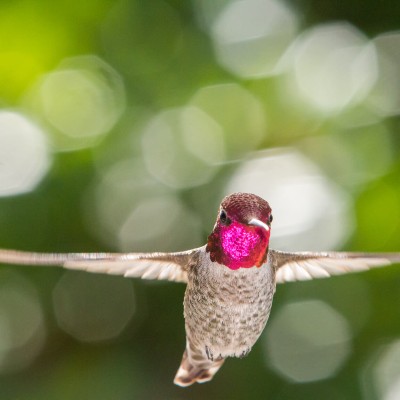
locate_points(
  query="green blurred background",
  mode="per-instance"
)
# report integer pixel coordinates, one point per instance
(124, 123)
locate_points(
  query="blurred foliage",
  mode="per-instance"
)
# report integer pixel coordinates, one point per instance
(151, 112)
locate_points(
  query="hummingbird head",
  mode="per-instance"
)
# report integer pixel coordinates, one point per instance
(240, 237)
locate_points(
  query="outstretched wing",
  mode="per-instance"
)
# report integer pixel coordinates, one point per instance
(165, 266)
(302, 266)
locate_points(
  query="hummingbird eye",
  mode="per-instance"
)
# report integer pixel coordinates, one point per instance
(223, 217)
(270, 218)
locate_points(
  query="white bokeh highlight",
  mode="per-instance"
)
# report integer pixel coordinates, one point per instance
(307, 341)
(93, 308)
(164, 220)
(250, 36)
(346, 156)
(385, 96)
(181, 147)
(381, 376)
(238, 112)
(22, 323)
(334, 66)
(24, 154)
(132, 211)
(310, 211)
(81, 100)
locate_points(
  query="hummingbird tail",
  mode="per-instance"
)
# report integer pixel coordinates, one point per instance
(191, 371)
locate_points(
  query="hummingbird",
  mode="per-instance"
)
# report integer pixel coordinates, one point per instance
(231, 280)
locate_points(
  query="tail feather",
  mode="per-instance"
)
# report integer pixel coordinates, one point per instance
(189, 373)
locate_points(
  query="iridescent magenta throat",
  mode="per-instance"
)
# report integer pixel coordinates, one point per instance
(243, 246)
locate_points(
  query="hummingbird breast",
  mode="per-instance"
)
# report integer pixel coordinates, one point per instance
(226, 310)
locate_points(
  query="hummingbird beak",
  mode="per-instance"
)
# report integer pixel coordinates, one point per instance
(257, 222)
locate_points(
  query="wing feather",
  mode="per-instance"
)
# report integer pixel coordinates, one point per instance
(162, 266)
(300, 266)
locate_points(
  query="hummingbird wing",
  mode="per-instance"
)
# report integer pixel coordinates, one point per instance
(302, 266)
(163, 266)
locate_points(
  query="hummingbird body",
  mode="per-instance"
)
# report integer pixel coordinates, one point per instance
(230, 281)
(225, 312)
